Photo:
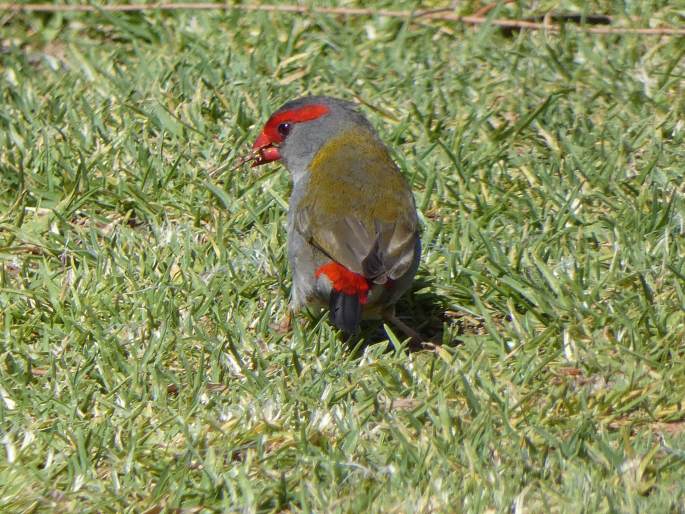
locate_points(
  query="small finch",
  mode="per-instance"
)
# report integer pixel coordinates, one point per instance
(353, 240)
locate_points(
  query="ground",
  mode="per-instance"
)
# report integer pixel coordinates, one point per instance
(141, 275)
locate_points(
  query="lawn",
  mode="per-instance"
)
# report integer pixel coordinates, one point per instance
(140, 275)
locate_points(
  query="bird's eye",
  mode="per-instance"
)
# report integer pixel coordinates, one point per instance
(284, 129)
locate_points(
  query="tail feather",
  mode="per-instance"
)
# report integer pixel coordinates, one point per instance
(345, 311)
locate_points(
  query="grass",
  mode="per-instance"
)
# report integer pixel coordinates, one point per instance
(139, 277)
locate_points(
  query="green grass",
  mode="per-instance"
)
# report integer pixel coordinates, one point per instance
(139, 276)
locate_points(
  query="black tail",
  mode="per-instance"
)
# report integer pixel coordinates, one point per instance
(346, 311)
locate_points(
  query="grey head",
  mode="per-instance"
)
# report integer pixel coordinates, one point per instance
(305, 138)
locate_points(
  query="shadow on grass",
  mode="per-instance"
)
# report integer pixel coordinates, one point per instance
(424, 311)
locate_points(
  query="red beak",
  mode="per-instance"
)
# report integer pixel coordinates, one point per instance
(265, 150)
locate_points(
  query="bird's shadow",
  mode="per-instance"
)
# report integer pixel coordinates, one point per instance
(420, 308)
(428, 313)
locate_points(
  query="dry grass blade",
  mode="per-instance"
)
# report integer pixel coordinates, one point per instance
(432, 14)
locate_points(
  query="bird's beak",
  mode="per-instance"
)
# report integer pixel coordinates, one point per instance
(263, 151)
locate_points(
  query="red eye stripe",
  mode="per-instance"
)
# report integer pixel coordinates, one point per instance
(306, 113)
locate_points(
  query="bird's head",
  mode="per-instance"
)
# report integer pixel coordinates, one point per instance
(297, 130)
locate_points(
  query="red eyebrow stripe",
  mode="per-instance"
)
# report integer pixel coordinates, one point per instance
(306, 113)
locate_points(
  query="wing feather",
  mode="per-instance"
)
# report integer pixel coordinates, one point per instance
(358, 208)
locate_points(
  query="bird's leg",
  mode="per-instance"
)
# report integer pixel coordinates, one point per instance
(417, 340)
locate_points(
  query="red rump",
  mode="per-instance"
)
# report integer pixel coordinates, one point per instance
(345, 281)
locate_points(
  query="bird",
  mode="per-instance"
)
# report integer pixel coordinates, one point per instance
(352, 226)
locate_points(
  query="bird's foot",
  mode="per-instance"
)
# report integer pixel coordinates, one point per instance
(284, 325)
(417, 341)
